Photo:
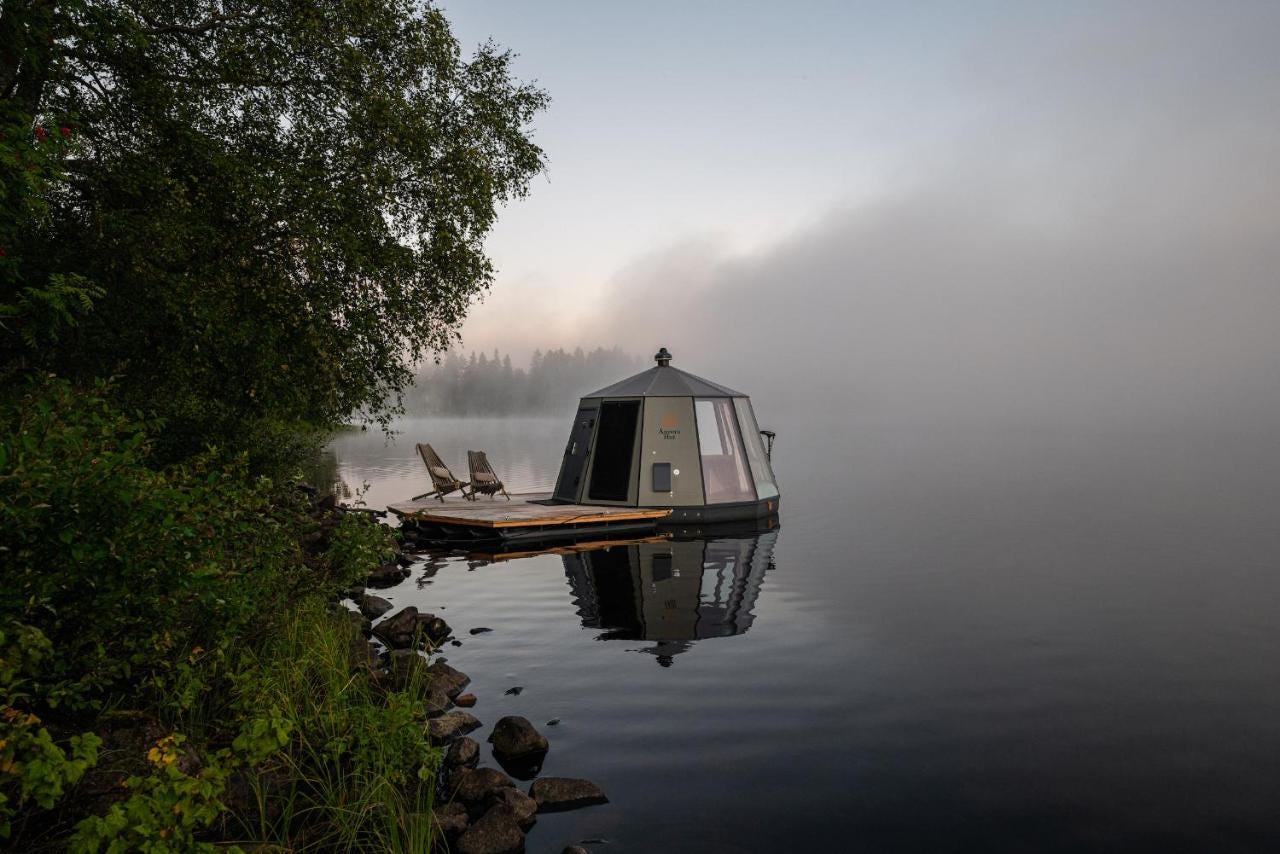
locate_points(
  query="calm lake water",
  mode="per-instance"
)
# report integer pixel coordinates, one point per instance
(962, 637)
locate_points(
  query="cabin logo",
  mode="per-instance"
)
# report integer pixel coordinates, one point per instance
(669, 426)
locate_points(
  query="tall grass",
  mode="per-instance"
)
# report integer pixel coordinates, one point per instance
(352, 768)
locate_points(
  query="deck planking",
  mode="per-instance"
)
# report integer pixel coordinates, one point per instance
(519, 512)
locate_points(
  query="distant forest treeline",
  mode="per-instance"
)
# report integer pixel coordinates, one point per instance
(490, 385)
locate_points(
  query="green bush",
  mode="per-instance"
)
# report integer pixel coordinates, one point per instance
(40, 771)
(129, 572)
(203, 599)
(165, 813)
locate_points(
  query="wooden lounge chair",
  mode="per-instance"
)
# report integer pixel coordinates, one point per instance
(483, 478)
(441, 478)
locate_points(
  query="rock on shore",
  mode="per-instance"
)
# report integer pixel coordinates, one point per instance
(407, 629)
(449, 679)
(372, 606)
(387, 575)
(473, 786)
(452, 820)
(497, 832)
(406, 667)
(451, 725)
(523, 808)
(463, 753)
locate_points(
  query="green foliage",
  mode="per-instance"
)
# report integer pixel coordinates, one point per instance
(32, 766)
(280, 204)
(204, 597)
(165, 812)
(129, 572)
(38, 315)
(357, 544)
(347, 761)
(224, 229)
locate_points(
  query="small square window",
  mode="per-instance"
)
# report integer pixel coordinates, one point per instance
(662, 477)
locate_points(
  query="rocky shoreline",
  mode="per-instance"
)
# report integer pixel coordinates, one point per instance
(479, 810)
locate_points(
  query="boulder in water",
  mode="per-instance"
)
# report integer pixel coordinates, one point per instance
(513, 737)
(555, 794)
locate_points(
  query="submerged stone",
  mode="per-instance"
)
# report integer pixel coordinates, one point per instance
(555, 794)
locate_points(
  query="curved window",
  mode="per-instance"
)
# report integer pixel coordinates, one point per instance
(724, 463)
(761, 469)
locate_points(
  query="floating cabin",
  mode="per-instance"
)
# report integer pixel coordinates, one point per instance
(663, 447)
(665, 438)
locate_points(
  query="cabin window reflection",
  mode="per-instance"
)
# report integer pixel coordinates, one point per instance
(724, 463)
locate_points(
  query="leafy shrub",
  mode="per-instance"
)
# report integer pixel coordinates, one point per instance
(129, 572)
(165, 813)
(204, 597)
(30, 762)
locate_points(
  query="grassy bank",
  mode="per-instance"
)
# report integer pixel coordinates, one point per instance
(173, 673)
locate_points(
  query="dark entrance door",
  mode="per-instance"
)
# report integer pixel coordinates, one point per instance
(615, 446)
(575, 454)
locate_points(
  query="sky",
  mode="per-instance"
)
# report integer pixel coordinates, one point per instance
(917, 204)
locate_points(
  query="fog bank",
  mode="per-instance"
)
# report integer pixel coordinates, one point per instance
(1101, 241)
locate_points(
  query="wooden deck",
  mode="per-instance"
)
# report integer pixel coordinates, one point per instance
(519, 512)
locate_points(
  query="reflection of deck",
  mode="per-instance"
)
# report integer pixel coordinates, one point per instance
(571, 548)
(502, 519)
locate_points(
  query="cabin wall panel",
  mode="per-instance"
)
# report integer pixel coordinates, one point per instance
(669, 435)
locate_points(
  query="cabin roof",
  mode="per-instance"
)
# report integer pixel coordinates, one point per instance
(665, 381)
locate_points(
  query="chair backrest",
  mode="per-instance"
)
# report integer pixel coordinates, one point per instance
(435, 466)
(480, 469)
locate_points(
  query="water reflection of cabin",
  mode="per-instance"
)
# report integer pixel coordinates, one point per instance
(673, 592)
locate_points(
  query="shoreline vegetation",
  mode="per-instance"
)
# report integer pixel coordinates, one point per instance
(224, 233)
(182, 637)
